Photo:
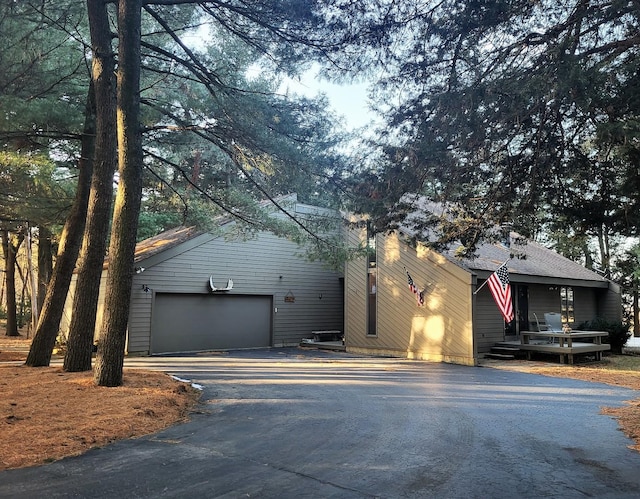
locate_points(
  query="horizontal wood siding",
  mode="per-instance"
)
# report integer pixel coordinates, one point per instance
(610, 303)
(441, 330)
(544, 298)
(585, 305)
(489, 326)
(265, 265)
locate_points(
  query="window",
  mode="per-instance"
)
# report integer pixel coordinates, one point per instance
(566, 305)
(372, 282)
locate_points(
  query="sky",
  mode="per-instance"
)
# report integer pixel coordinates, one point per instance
(348, 101)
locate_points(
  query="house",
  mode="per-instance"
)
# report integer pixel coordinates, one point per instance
(198, 291)
(383, 316)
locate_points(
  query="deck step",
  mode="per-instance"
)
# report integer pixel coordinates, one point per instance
(499, 356)
(505, 349)
(501, 351)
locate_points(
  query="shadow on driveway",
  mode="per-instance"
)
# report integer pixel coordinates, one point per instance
(304, 423)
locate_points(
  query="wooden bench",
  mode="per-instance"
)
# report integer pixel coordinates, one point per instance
(566, 346)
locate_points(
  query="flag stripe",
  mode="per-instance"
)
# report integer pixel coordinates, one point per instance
(501, 290)
(414, 289)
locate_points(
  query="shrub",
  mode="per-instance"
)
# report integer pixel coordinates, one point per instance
(618, 332)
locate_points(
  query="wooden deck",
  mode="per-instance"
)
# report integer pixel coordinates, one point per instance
(562, 344)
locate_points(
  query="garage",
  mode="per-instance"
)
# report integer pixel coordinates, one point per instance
(196, 322)
(277, 296)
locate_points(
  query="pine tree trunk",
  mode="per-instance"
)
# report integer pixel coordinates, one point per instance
(85, 300)
(111, 343)
(33, 284)
(10, 272)
(45, 263)
(636, 310)
(68, 249)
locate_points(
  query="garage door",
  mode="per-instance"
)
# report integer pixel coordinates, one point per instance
(188, 323)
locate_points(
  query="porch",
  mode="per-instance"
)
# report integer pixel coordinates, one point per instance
(555, 343)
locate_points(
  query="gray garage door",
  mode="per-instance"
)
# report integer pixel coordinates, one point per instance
(188, 323)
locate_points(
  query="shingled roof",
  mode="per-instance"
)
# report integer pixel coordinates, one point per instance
(527, 261)
(157, 244)
(527, 258)
(164, 241)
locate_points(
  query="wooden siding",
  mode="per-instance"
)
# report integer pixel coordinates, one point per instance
(355, 290)
(610, 303)
(589, 303)
(266, 265)
(544, 298)
(585, 305)
(441, 330)
(488, 321)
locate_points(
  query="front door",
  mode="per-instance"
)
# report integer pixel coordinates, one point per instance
(522, 309)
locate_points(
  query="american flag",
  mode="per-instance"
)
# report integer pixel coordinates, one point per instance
(414, 289)
(501, 290)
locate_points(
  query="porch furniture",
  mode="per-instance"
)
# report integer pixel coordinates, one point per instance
(537, 322)
(554, 321)
(566, 346)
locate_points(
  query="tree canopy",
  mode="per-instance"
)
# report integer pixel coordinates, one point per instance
(41, 109)
(191, 114)
(519, 111)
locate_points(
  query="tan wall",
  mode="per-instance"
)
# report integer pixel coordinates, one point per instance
(441, 330)
(355, 291)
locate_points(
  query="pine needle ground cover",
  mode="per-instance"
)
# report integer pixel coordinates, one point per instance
(47, 414)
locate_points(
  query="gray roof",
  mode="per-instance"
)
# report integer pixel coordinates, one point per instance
(160, 243)
(530, 260)
(527, 261)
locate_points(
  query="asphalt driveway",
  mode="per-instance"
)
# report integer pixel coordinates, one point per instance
(288, 423)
